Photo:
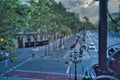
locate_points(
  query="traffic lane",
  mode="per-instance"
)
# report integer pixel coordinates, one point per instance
(82, 66)
(78, 69)
(23, 54)
(110, 40)
(9, 65)
(53, 58)
(93, 37)
(93, 53)
(46, 65)
(88, 60)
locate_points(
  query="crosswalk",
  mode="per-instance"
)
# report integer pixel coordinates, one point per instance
(43, 75)
(16, 66)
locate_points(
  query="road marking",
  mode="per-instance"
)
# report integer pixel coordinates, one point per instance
(91, 39)
(16, 66)
(68, 68)
(46, 72)
(67, 71)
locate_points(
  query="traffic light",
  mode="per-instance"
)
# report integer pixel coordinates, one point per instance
(86, 76)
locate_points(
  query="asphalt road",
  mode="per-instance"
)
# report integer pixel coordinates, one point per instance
(55, 63)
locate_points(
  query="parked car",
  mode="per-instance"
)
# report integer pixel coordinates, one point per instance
(91, 46)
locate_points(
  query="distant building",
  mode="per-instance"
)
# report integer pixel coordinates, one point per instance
(21, 39)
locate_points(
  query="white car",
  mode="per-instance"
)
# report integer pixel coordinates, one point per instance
(91, 46)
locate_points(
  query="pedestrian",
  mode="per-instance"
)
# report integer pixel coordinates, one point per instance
(33, 54)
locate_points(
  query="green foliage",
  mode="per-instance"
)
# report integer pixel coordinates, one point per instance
(88, 25)
(114, 25)
(118, 22)
(41, 17)
(13, 19)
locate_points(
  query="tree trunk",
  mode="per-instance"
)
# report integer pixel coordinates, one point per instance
(35, 40)
(60, 41)
(46, 53)
(54, 43)
(64, 40)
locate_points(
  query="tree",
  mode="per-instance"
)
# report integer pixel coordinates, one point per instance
(114, 25)
(87, 24)
(12, 19)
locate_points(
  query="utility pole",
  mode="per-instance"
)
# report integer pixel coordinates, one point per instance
(102, 36)
(75, 78)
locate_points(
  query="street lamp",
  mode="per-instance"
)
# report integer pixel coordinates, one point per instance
(1, 39)
(75, 58)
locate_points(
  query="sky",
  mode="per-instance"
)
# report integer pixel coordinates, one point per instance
(89, 8)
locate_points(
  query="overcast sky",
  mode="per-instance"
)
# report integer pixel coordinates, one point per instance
(89, 8)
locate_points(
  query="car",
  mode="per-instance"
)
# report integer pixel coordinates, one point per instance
(91, 46)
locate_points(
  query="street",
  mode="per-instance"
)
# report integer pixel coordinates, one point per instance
(55, 63)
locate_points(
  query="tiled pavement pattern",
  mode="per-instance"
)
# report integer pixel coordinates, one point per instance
(42, 75)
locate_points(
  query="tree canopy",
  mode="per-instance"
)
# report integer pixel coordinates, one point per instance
(42, 17)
